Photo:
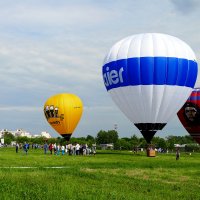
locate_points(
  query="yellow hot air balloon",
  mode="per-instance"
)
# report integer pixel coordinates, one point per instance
(63, 112)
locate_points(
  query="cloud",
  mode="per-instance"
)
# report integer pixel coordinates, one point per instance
(39, 65)
(19, 108)
(49, 47)
(186, 6)
(48, 15)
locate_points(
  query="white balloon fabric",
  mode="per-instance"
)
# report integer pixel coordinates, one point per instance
(150, 76)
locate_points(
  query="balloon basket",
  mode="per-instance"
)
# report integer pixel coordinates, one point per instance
(151, 151)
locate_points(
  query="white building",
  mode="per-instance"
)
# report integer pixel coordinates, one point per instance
(45, 134)
(107, 146)
(36, 135)
(2, 132)
(18, 132)
(23, 133)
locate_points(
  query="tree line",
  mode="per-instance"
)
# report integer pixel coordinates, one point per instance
(111, 136)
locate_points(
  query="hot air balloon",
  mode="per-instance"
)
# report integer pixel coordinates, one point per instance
(150, 76)
(63, 112)
(189, 115)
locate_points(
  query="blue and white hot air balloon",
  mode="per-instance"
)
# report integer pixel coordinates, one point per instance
(150, 76)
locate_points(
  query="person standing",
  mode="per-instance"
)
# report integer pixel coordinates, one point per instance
(70, 149)
(55, 148)
(66, 148)
(25, 147)
(84, 150)
(177, 153)
(77, 149)
(17, 147)
(45, 148)
(94, 149)
(63, 149)
(58, 149)
(50, 148)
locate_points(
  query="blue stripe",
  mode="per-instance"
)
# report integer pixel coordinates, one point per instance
(150, 71)
(195, 98)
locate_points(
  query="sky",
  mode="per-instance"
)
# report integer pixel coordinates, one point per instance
(49, 47)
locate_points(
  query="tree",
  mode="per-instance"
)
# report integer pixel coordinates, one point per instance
(52, 140)
(104, 137)
(135, 141)
(21, 139)
(159, 142)
(90, 138)
(112, 136)
(37, 140)
(187, 139)
(123, 144)
(171, 140)
(80, 140)
(142, 143)
(8, 138)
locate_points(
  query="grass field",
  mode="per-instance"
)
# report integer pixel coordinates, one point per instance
(108, 175)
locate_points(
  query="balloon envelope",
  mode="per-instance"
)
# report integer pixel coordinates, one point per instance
(189, 115)
(150, 76)
(63, 112)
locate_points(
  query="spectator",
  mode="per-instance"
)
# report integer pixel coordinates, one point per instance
(45, 148)
(55, 148)
(17, 147)
(50, 148)
(177, 153)
(66, 149)
(63, 149)
(94, 149)
(25, 147)
(77, 149)
(58, 149)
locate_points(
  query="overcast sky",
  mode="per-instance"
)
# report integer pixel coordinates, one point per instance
(56, 46)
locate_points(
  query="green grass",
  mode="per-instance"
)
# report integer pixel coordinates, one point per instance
(108, 175)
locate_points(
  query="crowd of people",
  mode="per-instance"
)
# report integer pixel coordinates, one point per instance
(25, 147)
(69, 149)
(57, 149)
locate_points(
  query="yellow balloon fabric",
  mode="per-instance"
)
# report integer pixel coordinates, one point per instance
(63, 112)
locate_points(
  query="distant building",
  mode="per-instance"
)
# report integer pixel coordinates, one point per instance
(1, 134)
(45, 134)
(36, 135)
(107, 146)
(18, 132)
(180, 145)
(23, 133)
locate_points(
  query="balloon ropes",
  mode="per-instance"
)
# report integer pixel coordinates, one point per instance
(189, 115)
(63, 112)
(150, 76)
